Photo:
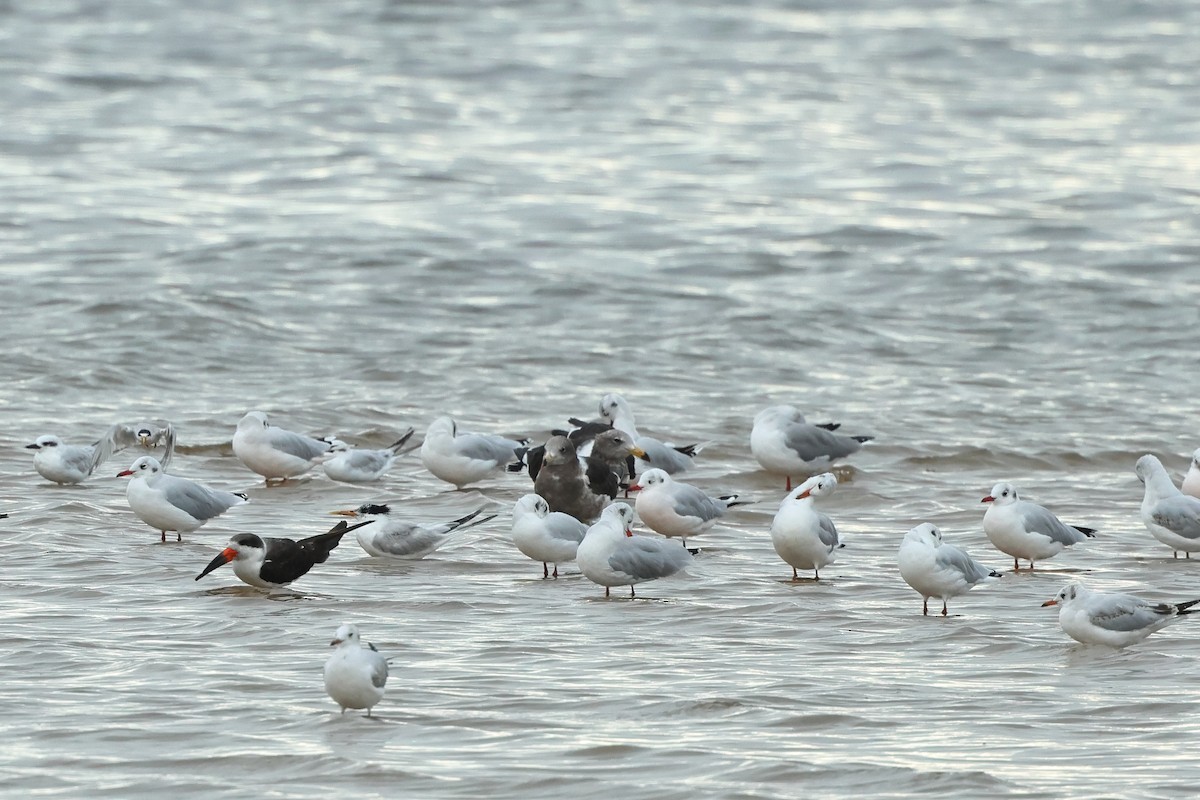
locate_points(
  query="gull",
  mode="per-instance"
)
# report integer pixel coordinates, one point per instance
(804, 537)
(400, 539)
(615, 410)
(170, 503)
(1191, 481)
(564, 484)
(1116, 620)
(1171, 516)
(1026, 530)
(148, 436)
(274, 452)
(936, 569)
(270, 563)
(611, 555)
(460, 458)
(354, 465)
(354, 675)
(678, 509)
(608, 465)
(63, 463)
(784, 443)
(551, 537)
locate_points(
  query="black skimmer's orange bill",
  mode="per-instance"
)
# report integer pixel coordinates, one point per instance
(270, 563)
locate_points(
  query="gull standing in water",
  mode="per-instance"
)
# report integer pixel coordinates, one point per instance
(355, 465)
(63, 463)
(615, 410)
(936, 569)
(611, 555)
(564, 484)
(401, 539)
(354, 675)
(1026, 530)
(1171, 516)
(804, 537)
(170, 503)
(269, 563)
(551, 537)
(460, 458)
(1115, 620)
(678, 509)
(273, 452)
(785, 444)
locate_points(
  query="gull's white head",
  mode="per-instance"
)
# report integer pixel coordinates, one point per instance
(925, 533)
(346, 636)
(252, 420)
(1065, 595)
(1003, 494)
(442, 426)
(816, 486)
(651, 478)
(531, 504)
(621, 514)
(772, 413)
(1148, 466)
(144, 467)
(44, 442)
(611, 405)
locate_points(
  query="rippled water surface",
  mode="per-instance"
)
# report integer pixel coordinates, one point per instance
(968, 229)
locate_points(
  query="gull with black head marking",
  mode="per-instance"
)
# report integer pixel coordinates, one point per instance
(272, 563)
(401, 539)
(1026, 530)
(355, 675)
(1115, 620)
(550, 537)
(936, 569)
(170, 503)
(611, 555)
(804, 537)
(355, 465)
(63, 463)
(672, 508)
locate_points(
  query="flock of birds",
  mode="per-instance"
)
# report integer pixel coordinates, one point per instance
(574, 514)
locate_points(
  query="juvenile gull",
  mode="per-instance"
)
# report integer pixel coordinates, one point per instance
(804, 537)
(355, 465)
(678, 509)
(607, 467)
(63, 463)
(170, 503)
(936, 569)
(1115, 620)
(550, 537)
(354, 675)
(784, 443)
(564, 484)
(401, 539)
(273, 452)
(1026, 530)
(615, 410)
(270, 563)
(611, 555)
(1171, 516)
(460, 458)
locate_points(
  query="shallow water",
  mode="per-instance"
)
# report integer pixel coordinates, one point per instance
(968, 230)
